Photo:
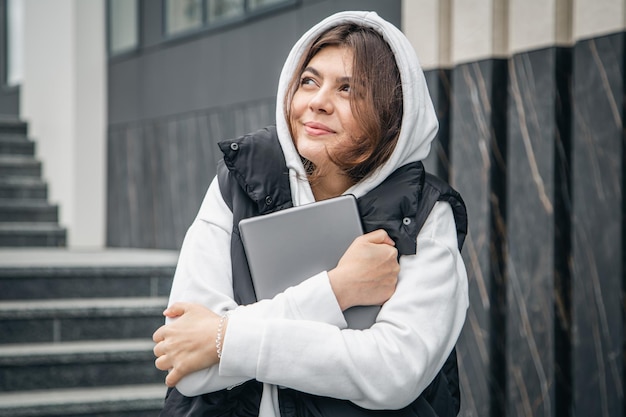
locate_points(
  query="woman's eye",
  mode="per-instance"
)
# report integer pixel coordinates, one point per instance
(307, 81)
(346, 88)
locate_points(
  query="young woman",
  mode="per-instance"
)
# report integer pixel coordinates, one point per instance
(353, 117)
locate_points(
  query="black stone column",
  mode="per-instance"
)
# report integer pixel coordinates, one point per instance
(538, 313)
(598, 227)
(478, 171)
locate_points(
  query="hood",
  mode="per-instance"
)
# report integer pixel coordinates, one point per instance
(419, 121)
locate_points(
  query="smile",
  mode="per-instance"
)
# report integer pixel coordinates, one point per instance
(317, 129)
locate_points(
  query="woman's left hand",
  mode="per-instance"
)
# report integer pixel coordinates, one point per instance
(187, 344)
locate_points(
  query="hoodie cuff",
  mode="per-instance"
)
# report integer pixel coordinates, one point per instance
(241, 346)
(314, 299)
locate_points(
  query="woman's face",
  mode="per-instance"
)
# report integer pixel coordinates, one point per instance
(321, 115)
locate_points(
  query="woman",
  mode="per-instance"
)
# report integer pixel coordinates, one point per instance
(353, 117)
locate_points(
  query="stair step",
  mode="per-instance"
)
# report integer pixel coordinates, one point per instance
(77, 364)
(31, 211)
(12, 144)
(13, 125)
(31, 235)
(42, 321)
(23, 188)
(48, 273)
(19, 166)
(119, 401)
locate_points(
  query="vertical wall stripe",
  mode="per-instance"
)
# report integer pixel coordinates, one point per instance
(562, 234)
(440, 87)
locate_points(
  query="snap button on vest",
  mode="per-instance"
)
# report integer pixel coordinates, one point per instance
(234, 146)
(268, 200)
(406, 221)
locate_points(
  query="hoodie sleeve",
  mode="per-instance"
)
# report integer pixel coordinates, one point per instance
(384, 367)
(204, 275)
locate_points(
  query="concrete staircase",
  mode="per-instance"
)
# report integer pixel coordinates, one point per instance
(75, 331)
(26, 217)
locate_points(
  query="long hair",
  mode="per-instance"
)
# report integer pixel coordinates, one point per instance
(376, 98)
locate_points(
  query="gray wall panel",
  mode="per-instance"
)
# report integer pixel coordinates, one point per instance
(159, 171)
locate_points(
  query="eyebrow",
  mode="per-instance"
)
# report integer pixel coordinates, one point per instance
(317, 74)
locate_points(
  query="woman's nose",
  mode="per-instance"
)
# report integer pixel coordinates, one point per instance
(321, 102)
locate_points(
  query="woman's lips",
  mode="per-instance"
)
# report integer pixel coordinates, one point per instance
(317, 129)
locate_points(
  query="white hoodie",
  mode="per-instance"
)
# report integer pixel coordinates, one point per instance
(299, 339)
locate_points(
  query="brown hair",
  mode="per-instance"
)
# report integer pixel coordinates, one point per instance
(376, 100)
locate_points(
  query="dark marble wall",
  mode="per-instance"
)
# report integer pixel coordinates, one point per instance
(598, 227)
(478, 172)
(536, 149)
(536, 300)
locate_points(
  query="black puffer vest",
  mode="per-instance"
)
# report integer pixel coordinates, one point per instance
(254, 181)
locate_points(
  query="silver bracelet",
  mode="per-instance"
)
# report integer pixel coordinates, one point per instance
(220, 335)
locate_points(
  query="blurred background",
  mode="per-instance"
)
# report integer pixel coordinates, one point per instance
(110, 111)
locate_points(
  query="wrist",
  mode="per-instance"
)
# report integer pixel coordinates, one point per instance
(338, 289)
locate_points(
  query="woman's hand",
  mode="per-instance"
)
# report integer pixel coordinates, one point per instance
(187, 344)
(367, 273)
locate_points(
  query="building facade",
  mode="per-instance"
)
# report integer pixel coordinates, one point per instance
(530, 96)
